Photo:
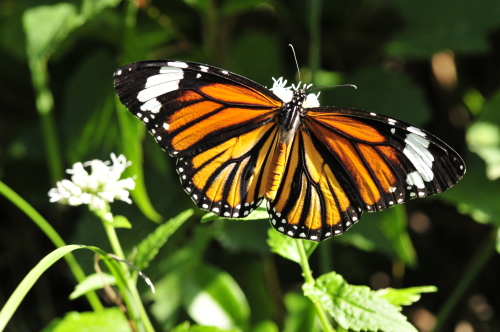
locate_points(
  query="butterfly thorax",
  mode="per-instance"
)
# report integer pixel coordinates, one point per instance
(289, 121)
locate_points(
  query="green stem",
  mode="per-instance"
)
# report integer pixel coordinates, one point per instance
(308, 277)
(51, 233)
(45, 106)
(143, 322)
(474, 267)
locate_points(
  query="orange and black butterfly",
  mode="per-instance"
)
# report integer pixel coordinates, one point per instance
(318, 168)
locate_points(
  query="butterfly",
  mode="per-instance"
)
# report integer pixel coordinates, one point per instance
(238, 143)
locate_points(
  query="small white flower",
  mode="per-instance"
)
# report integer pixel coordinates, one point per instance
(101, 186)
(286, 93)
(281, 90)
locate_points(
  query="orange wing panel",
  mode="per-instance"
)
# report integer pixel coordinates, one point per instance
(239, 95)
(346, 152)
(348, 126)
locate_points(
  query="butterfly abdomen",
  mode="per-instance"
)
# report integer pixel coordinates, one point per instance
(276, 170)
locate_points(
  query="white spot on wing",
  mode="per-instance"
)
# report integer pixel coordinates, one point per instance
(416, 130)
(204, 69)
(414, 179)
(178, 64)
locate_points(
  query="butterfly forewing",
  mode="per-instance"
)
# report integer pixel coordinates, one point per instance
(220, 126)
(189, 107)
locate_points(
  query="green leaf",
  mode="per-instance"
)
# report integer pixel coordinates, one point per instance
(30, 279)
(91, 283)
(404, 296)
(394, 226)
(47, 26)
(248, 235)
(483, 136)
(22, 289)
(121, 222)
(300, 315)
(212, 297)
(483, 208)
(109, 319)
(385, 232)
(286, 247)
(266, 326)
(167, 298)
(149, 247)
(464, 29)
(356, 307)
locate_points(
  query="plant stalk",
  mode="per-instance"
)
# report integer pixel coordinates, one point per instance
(308, 277)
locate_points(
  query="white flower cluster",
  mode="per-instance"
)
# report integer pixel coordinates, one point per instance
(102, 185)
(285, 93)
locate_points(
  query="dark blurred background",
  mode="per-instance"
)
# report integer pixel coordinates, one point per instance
(435, 64)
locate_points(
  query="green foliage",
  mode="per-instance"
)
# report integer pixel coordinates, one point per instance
(286, 247)
(356, 307)
(464, 29)
(91, 283)
(213, 298)
(109, 319)
(405, 296)
(148, 248)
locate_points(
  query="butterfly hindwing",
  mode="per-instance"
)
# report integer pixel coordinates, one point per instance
(314, 201)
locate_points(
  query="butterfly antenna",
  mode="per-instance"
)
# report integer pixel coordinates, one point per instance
(334, 86)
(296, 63)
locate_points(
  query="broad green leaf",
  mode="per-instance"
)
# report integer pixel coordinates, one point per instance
(393, 225)
(427, 29)
(300, 314)
(286, 247)
(404, 296)
(483, 136)
(356, 307)
(109, 319)
(381, 91)
(474, 100)
(167, 298)
(212, 297)
(266, 326)
(483, 207)
(149, 247)
(91, 283)
(47, 26)
(186, 326)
